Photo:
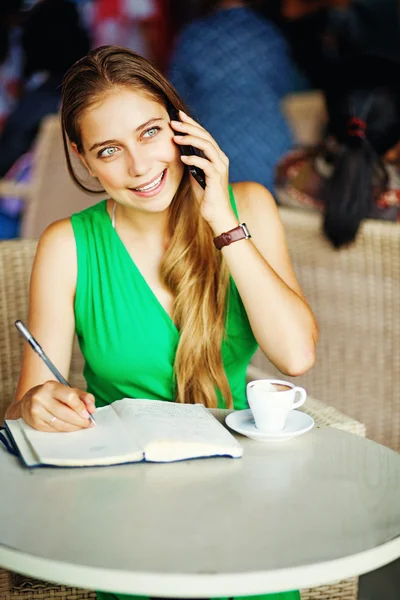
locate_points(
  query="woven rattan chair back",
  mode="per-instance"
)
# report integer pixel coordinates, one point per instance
(51, 195)
(16, 258)
(306, 115)
(355, 294)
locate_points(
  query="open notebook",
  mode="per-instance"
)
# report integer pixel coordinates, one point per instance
(128, 430)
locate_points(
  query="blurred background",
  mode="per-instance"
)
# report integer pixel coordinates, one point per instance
(254, 73)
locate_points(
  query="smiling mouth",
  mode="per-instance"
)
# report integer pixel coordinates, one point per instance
(151, 186)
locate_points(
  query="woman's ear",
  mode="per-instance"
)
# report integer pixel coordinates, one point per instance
(75, 150)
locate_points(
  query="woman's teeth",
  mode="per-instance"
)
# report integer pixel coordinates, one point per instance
(151, 186)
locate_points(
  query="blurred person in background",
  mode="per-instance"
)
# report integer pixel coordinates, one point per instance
(322, 33)
(141, 25)
(52, 40)
(10, 56)
(232, 67)
(355, 173)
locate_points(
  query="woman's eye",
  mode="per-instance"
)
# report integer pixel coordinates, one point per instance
(151, 132)
(107, 152)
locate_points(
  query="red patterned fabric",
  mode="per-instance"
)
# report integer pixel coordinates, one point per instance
(141, 25)
(299, 181)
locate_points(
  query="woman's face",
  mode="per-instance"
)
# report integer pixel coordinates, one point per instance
(128, 145)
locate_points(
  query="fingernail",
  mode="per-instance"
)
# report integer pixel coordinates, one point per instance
(85, 414)
(178, 137)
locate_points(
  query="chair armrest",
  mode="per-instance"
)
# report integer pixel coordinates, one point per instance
(328, 416)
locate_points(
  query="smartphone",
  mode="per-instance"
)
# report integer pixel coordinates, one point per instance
(197, 173)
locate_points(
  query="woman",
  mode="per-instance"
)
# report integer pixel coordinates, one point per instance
(355, 173)
(160, 312)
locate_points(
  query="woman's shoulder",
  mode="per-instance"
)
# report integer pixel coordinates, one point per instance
(254, 204)
(60, 234)
(250, 195)
(56, 253)
(58, 239)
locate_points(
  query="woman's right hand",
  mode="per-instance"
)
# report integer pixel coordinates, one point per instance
(54, 407)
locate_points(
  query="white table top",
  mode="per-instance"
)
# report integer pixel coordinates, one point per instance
(318, 508)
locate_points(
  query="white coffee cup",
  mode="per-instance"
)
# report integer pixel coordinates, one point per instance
(271, 400)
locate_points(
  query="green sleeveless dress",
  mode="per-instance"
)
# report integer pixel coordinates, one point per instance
(127, 338)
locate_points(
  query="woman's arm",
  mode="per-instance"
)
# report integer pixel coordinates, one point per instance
(51, 321)
(280, 317)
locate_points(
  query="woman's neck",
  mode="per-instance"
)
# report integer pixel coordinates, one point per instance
(140, 225)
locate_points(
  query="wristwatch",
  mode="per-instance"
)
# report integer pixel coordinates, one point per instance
(233, 235)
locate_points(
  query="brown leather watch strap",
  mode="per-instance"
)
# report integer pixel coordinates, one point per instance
(233, 235)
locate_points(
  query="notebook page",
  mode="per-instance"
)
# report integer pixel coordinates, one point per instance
(172, 431)
(105, 444)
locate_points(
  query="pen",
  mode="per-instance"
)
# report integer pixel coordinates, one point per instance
(24, 331)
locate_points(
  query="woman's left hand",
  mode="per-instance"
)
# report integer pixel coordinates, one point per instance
(215, 206)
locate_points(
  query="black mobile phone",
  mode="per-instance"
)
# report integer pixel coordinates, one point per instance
(197, 173)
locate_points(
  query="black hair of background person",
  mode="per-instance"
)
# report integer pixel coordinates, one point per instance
(52, 40)
(315, 46)
(53, 37)
(181, 13)
(369, 91)
(10, 14)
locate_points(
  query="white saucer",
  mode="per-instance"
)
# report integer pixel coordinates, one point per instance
(297, 423)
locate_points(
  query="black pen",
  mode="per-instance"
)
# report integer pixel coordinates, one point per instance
(24, 331)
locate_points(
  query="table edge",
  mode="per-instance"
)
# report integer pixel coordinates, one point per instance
(200, 584)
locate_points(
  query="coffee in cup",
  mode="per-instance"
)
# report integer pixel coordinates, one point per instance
(280, 387)
(271, 401)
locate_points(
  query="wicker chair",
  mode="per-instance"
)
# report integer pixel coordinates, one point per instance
(306, 115)
(51, 194)
(355, 294)
(15, 265)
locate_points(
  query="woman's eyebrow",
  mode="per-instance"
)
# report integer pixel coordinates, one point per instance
(142, 126)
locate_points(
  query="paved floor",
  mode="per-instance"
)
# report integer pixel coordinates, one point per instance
(383, 584)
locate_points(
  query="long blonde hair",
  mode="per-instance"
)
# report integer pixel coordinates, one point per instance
(192, 270)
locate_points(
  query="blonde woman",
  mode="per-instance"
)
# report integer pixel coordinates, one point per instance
(163, 305)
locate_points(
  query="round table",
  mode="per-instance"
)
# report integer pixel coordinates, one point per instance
(318, 508)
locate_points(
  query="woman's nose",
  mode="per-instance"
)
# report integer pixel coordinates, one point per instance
(137, 164)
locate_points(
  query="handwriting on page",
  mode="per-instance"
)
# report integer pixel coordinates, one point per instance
(154, 419)
(161, 410)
